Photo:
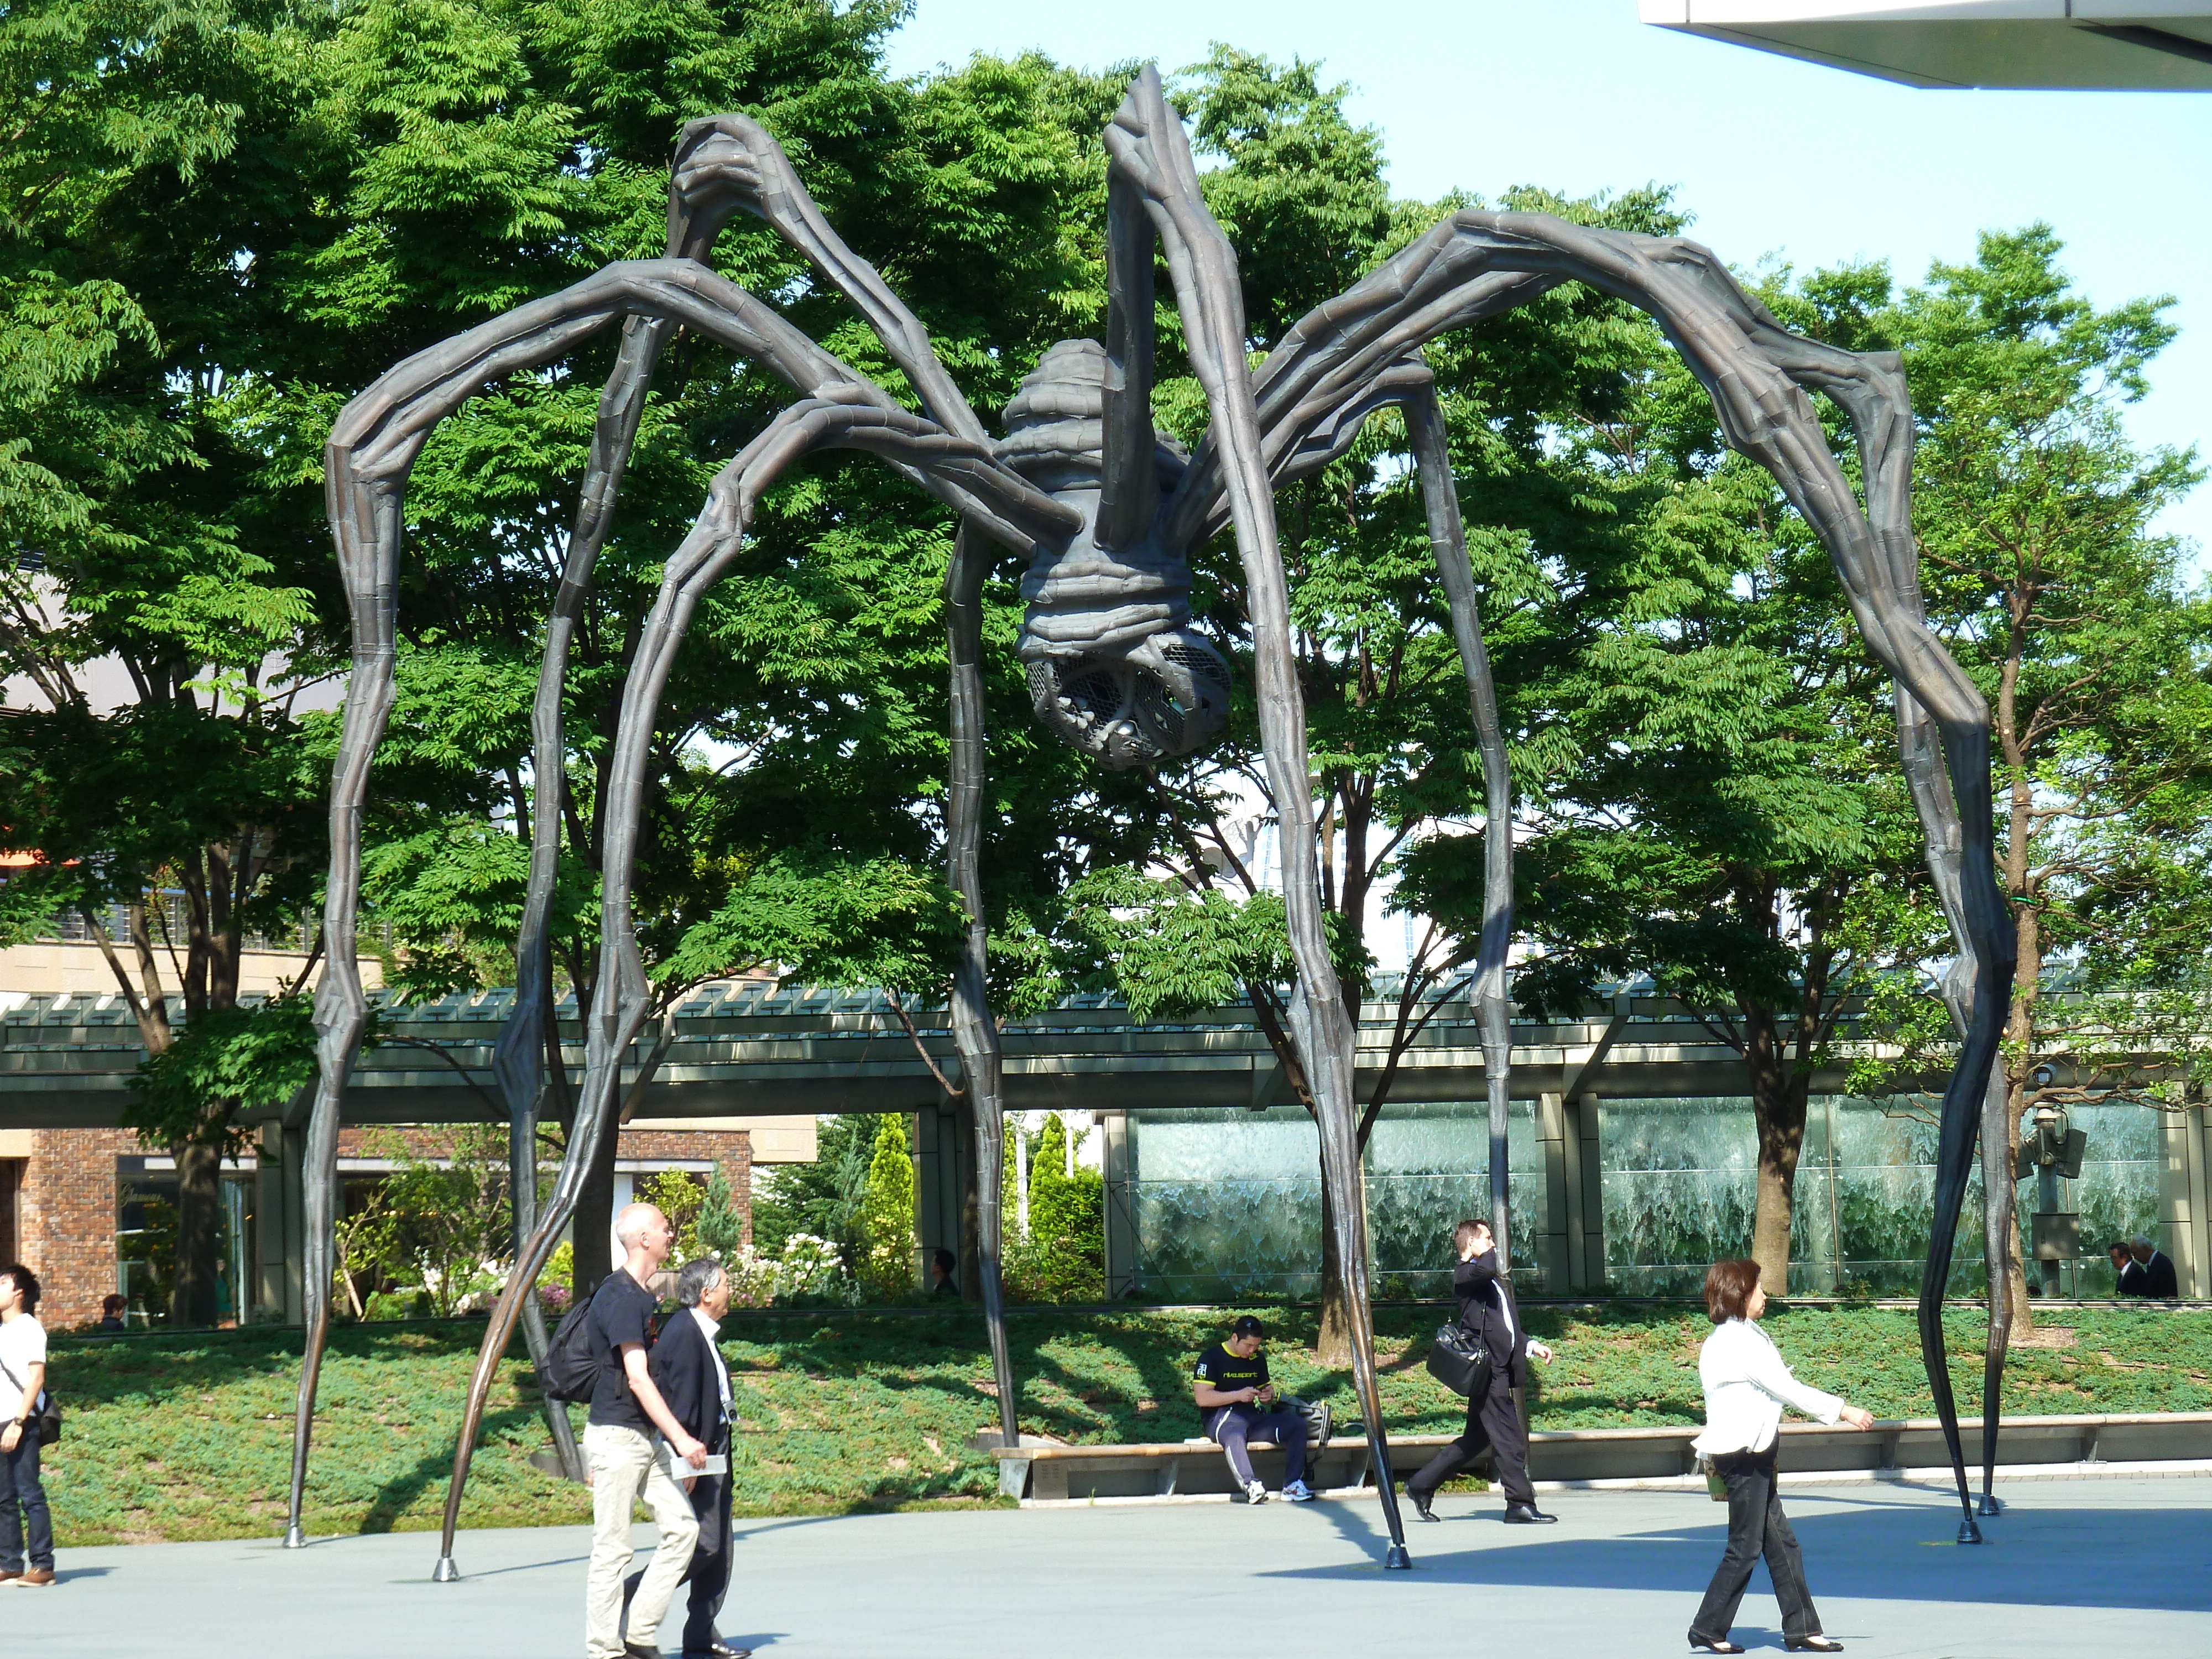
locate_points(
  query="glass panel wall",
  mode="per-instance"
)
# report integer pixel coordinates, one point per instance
(1680, 1183)
(1228, 1204)
(146, 1244)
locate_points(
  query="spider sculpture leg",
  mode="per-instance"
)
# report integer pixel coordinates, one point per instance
(1424, 425)
(374, 443)
(1477, 264)
(373, 447)
(1411, 387)
(974, 1029)
(728, 164)
(1147, 147)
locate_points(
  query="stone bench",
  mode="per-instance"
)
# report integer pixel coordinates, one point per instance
(1046, 1473)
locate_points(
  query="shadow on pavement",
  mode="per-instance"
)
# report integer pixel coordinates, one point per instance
(2055, 1557)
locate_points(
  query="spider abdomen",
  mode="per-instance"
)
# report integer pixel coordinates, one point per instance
(1114, 665)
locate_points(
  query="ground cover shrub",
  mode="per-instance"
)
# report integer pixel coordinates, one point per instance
(190, 1437)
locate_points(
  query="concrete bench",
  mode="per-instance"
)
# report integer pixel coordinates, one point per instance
(1043, 1474)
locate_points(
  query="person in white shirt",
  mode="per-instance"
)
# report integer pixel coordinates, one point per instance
(24, 1518)
(1746, 1385)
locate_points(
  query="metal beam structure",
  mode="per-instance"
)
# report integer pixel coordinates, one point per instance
(2078, 46)
(66, 1063)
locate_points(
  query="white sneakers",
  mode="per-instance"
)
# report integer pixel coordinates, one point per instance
(1255, 1493)
(1299, 1493)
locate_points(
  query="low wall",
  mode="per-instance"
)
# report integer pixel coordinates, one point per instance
(1049, 1474)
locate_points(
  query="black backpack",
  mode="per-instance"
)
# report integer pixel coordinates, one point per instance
(571, 1369)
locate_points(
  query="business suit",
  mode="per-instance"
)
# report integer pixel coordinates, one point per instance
(2160, 1282)
(682, 1364)
(2133, 1280)
(1486, 1307)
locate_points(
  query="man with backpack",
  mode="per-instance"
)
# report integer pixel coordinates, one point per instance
(628, 1424)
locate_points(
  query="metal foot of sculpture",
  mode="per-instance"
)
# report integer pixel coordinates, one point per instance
(1107, 511)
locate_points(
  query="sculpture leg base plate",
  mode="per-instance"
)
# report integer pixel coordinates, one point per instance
(1395, 1560)
(1969, 1533)
(296, 1537)
(446, 1572)
(1989, 1504)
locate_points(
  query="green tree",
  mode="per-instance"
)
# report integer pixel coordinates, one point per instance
(1063, 1258)
(824, 1197)
(2035, 515)
(886, 1221)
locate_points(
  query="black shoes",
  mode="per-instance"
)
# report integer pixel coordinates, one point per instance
(641, 1650)
(717, 1651)
(1528, 1515)
(1713, 1644)
(1811, 1644)
(1421, 1500)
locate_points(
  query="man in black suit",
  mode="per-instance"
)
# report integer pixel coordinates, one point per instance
(2160, 1281)
(688, 1370)
(1486, 1307)
(2127, 1272)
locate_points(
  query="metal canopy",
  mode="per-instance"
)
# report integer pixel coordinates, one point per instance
(2113, 45)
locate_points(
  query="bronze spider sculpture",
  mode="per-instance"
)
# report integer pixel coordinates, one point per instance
(1107, 511)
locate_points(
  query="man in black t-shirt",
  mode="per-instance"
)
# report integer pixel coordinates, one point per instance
(630, 1440)
(1231, 1387)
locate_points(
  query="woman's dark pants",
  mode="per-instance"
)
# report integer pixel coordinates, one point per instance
(23, 1507)
(1756, 1526)
(1492, 1420)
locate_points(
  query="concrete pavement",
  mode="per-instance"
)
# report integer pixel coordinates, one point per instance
(2108, 1567)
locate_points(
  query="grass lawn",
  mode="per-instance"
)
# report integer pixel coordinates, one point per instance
(190, 1437)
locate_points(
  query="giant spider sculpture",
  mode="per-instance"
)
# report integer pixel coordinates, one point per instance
(1107, 511)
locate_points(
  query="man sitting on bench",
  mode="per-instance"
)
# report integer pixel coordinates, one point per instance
(1236, 1400)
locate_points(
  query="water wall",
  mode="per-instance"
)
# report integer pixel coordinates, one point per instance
(1228, 1205)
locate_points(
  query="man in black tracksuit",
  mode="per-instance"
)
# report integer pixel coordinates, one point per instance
(1493, 1420)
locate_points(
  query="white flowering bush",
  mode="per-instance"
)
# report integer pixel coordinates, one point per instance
(809, 1270)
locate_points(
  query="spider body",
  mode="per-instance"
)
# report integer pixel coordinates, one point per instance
(1105, 510)
(1114, 665)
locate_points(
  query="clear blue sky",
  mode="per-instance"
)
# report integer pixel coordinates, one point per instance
(1772, 156)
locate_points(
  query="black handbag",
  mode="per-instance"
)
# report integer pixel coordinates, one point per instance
(1459, 1359)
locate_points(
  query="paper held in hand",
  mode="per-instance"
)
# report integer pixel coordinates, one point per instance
(681, 1470)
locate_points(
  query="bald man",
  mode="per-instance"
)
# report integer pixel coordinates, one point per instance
(628, 1425)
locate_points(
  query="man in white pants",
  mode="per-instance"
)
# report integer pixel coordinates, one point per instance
(623, 1437)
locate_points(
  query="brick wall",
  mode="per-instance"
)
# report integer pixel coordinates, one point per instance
(66, 1219)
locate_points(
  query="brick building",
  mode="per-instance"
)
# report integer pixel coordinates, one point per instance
(69, 1197)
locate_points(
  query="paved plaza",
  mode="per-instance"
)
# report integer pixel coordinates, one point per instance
(2097, 1567)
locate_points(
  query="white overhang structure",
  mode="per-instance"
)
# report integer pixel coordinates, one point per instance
(2117, 46)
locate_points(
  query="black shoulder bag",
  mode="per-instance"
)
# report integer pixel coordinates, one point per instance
(48, 1422)
(1459, 1360)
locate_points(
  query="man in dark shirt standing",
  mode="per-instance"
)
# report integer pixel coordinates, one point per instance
(1234, 1396)
(623, 1450)
(1493, 1418)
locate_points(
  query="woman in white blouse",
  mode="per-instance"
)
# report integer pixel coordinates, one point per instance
(1746, 1385)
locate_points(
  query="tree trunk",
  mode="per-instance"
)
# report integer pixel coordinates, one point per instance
(1779, 1093)
(1333, 1347)
(588, 1232)
(192, 1300)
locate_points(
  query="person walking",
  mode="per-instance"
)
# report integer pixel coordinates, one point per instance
(1746, 1385)
(1486, 1307)
(624, 1434)
(688, 1369)
(2160, 1281)
(2128, 1276)
(26, 1526)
